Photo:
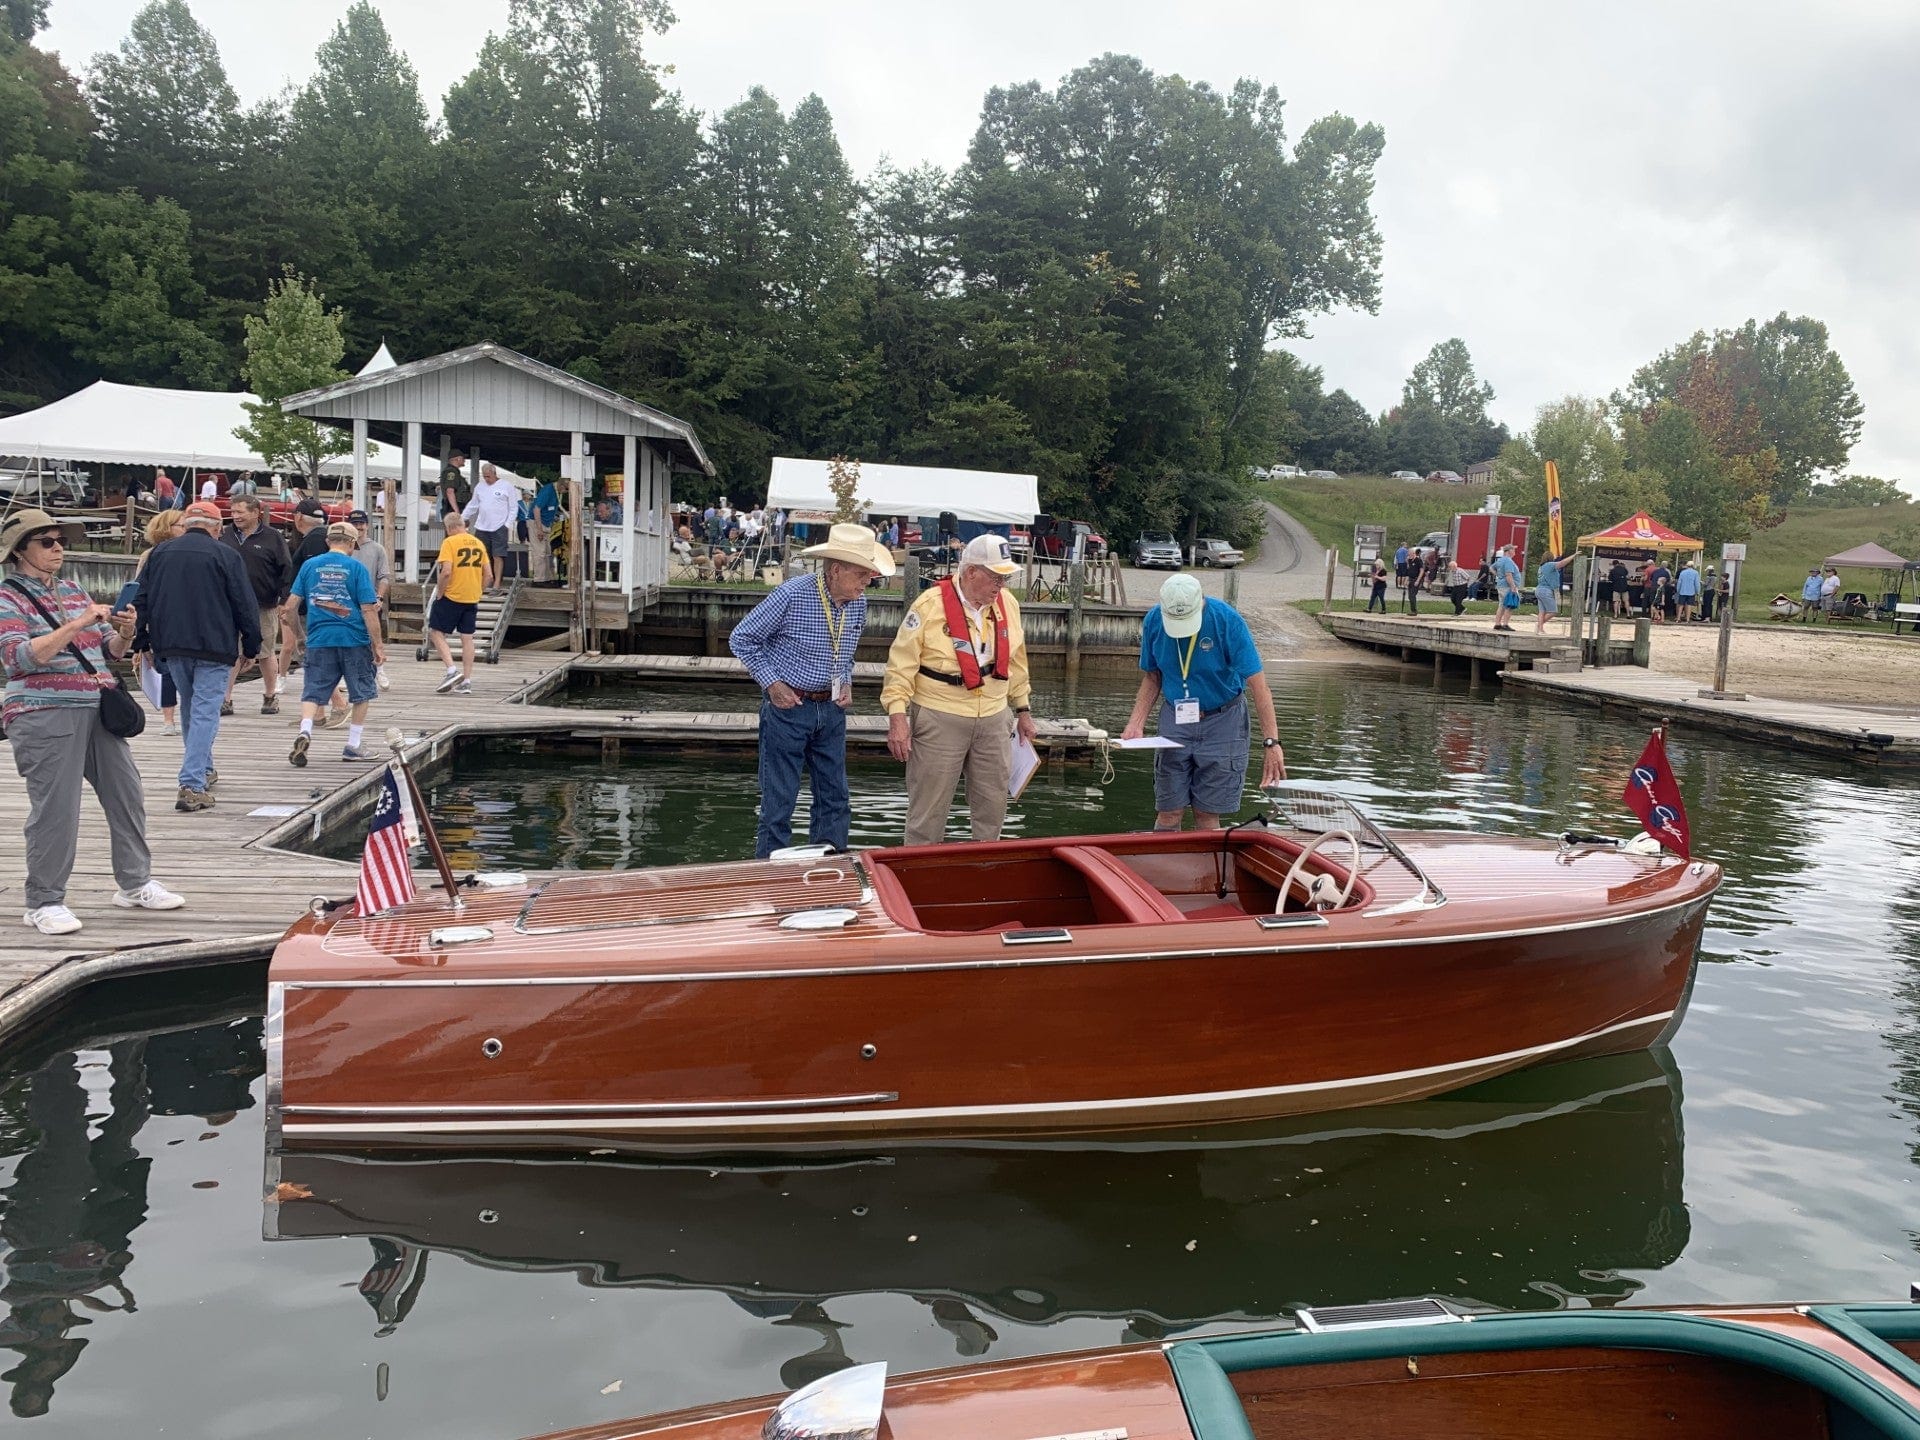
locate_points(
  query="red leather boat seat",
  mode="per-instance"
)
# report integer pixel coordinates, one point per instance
(1128, 900)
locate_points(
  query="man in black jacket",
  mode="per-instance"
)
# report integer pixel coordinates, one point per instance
(310, 524)
(269, 571)
(196, 611)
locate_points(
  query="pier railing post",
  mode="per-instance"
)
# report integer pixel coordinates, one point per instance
(1076, 615)
(1326, 601)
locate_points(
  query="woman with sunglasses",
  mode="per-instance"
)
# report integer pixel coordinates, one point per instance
(52, 714)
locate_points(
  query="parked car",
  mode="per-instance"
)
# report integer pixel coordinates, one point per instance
(1414, 475)
(1059, 545)
(1282, 471)
(1444, 477)
(1216, 553)
(1157, 550)
(1322, 475)
(1019, 541)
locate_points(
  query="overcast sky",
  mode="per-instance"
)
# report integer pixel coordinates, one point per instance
(1568, 188)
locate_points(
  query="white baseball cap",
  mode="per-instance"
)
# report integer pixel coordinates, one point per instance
(989, 552)
(1182, 606)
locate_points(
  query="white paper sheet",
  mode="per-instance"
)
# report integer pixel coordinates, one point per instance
(150, 682)
(1025, 761)
(1147, 742)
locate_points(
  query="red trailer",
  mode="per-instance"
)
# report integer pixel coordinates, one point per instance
(1474, 538)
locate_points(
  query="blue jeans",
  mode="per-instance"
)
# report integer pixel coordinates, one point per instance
(203, 686)
(811, 736)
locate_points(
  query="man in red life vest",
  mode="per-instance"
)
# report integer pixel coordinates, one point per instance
(958, 663)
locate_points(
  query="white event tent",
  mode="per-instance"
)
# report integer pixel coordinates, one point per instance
(109, 424)
(983, 496)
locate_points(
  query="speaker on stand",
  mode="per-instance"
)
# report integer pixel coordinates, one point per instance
(949, 532)
(1043, 547)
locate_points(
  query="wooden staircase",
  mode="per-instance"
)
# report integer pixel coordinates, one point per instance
(409, 625)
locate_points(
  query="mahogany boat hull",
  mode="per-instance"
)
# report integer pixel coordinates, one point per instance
(1791, 1373)
(765, 1039)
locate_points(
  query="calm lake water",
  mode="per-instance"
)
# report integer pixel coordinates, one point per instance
(1771, 1155)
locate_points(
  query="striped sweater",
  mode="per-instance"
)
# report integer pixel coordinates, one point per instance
(36, 685)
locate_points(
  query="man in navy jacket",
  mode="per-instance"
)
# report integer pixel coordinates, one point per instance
(197, 616)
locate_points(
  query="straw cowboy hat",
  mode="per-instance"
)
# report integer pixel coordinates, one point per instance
(854, 544)
(22, 523)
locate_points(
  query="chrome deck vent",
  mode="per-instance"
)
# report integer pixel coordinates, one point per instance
(1383, 1315)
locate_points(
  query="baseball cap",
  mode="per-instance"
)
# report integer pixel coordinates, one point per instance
(358, 517)
(1182, 605)
(204, 513)
(340, 530)
(989, 552)
(311, 508)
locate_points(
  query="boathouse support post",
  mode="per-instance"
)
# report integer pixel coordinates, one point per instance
(1582, 605)
(389, 520)
(410, 462)
(1076, 615)
(360, 465)
(1643, 642)
(630, 517)
(577, 548)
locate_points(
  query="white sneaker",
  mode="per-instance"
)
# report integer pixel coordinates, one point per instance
(150, 896)
(170, 728)
(385, 680)
(53, 920)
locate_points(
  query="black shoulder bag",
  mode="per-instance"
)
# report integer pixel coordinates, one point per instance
(120, 713)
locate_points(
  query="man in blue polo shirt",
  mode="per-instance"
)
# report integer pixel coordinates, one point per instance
(1198, 658)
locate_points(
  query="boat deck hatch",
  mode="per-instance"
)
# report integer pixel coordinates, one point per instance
(1318, 1319)
(690, 893)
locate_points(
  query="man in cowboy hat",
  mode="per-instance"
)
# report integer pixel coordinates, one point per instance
(52, 714)
(958, 661)
(799, 644)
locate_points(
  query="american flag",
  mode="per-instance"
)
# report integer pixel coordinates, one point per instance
(386, 878)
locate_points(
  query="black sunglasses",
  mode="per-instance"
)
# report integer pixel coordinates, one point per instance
(48, 540)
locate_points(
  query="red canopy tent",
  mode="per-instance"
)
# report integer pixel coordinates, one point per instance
(1640, 531)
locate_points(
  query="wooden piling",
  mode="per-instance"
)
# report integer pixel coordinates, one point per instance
(1076, 617)
(1643, 642)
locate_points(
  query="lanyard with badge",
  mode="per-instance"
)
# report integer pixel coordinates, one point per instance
(1187, 711)
(839, 686)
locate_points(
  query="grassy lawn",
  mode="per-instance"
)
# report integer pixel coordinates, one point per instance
(1777, 559)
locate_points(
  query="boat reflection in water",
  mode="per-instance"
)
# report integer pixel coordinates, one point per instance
(1531, 1191)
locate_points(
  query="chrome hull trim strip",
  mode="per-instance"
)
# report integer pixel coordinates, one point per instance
(999, 962)
(1116, 1109)
(651, 1107)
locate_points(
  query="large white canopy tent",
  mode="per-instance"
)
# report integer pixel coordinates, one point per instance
(109, 424)
(985, 497)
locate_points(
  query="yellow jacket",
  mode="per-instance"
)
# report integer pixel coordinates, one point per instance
(922, 640)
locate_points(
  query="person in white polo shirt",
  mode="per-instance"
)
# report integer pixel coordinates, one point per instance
(490, 514)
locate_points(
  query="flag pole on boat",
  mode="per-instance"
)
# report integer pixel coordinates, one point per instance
(397, 742)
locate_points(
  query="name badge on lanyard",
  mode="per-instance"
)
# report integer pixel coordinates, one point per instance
(1187, 712)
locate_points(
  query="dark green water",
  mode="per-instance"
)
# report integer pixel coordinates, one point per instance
(1771, 1155)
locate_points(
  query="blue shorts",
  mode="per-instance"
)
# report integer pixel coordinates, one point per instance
(452, 617)
(1209, 772)
(330, 664)
(1548, 599)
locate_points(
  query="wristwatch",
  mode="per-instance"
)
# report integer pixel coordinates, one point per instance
(1022, 710)
(1270, 743)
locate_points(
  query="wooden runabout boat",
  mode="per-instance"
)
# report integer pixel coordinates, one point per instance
(1018, 989)
(1407, 1368)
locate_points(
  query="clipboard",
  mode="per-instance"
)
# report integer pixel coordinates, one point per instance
(1025, 763)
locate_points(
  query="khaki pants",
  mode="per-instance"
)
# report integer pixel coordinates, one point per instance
(945, 747)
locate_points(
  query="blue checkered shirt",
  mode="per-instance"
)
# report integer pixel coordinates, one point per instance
(785, 637)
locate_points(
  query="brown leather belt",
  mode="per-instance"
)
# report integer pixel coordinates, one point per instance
(811, 694)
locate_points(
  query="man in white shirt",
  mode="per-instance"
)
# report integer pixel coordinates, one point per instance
(1830, 592)
(210, 490)
(490, 514)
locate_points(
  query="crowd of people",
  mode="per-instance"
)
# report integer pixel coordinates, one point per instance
(1650, 587)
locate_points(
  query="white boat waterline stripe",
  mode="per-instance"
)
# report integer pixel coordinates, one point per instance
(961, 1112)
(996, 963)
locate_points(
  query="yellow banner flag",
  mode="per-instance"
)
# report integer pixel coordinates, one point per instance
(1554, 546)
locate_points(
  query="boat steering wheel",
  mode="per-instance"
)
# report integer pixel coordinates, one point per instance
(1307, 852)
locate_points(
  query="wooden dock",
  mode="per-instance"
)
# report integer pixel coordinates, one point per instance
(1435, 640)
(699, 668)
(243, 889)
(1873, 737)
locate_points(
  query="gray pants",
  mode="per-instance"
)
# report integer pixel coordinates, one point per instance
(54, 749)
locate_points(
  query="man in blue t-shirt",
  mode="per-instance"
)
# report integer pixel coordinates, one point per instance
(1686, 589)
(1506, 581)
(1198, 658)
(343, 638)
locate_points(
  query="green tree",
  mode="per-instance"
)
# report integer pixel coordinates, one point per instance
(21, 20)
(1850, 491)
(1597, 487)
(294, 344)
(136, 321)
(169, 118)
(1775, 387)
(1441, 422)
